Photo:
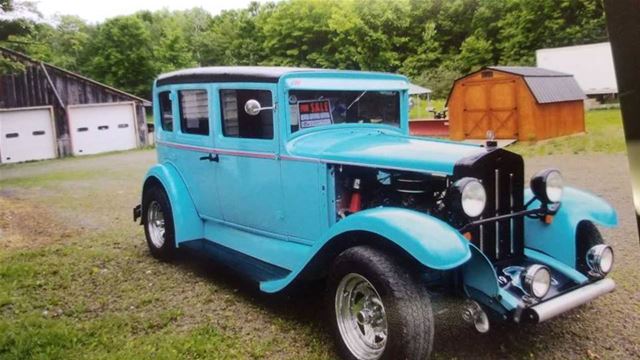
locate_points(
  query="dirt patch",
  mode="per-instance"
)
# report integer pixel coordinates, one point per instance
(26, 226)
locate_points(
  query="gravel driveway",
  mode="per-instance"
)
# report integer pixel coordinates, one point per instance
(609, 327)
(80, 198)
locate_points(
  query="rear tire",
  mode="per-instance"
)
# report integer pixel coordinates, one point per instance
(378, 310)
(158, 223)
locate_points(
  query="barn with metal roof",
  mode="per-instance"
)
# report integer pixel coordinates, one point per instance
(47, 111)
(515, 102)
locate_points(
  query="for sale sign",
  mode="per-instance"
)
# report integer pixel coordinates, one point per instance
(314, 113)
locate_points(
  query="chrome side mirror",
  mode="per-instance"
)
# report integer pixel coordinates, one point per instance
(253, 107)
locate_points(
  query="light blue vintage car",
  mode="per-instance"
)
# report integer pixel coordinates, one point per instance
(289, 175)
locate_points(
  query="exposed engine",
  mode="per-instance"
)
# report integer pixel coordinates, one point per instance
(363, 188)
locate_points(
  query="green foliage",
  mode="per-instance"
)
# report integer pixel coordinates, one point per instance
(123, 54)
(431, 41)
(8, 66)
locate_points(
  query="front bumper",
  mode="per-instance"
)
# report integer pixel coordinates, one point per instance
(555, 306)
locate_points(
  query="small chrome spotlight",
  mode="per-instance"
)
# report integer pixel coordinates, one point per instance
(600, 259)
(473, 314)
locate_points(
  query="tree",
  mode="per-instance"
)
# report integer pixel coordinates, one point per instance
(475, 52)
(428, 40)
(122, 55)
(530, 25)
(296, 33)
(235, 37)
(426, 56)
(16, 19)
(168, 41)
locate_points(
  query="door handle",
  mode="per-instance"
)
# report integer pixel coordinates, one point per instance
(210, 157)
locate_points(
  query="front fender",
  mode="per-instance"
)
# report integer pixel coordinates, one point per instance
(431, 241)
(558, 239)
(187, 223)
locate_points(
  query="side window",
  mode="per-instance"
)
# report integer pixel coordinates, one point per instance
(194, 111)
(237, 123)
(166, 115)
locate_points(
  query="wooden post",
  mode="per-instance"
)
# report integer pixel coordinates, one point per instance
(53, 87)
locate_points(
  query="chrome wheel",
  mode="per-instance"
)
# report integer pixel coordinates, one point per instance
(155, 224)
(361, 317)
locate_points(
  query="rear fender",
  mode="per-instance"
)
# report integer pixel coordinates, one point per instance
(187, 223)
(558, 239)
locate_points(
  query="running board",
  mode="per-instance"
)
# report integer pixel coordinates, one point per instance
(247, 266)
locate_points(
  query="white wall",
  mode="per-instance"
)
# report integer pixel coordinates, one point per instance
(592, 66)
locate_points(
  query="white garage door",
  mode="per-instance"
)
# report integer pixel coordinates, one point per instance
(27, 134)
(97, 128)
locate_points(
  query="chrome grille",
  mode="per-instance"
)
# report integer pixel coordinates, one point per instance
(502, 175)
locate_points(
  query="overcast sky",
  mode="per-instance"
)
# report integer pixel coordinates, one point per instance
(97, 11)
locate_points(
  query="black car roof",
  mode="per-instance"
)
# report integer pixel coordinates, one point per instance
(266, 74)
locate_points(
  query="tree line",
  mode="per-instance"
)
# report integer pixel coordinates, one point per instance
(431, 41)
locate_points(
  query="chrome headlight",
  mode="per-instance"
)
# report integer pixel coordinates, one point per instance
(536, 280)
(600, 259)
(470, 196)
(547, 186)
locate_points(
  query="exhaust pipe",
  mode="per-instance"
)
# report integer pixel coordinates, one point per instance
(473, 313)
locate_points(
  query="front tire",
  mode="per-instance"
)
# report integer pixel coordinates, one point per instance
(378, 310)
(158, 223)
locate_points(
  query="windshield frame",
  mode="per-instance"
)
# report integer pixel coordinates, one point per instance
(342, 80)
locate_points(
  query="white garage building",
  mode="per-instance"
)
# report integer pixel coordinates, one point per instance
(591, 65)
(46, 112)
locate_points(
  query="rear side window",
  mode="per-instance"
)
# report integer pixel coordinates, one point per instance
(237, 123)
(166, 115)
(194, 111)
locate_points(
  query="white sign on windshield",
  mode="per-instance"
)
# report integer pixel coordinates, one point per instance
(314, 113)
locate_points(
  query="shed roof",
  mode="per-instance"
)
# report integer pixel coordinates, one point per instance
(547, 86)
(528, 71)
(418, 90)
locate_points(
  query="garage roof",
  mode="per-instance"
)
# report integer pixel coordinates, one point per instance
(547, 86)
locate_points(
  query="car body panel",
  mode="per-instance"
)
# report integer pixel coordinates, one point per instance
(379, 147)
(479, 273)
(558, 239)
(432, 242)
(188, 224)
(273, 203)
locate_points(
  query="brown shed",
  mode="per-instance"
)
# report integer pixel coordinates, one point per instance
(515, 102)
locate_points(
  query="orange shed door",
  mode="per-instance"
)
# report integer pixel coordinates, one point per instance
(490, 105)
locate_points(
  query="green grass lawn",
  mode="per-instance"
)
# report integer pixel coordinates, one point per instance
(419, 111)
(77, 282)
(604, 135)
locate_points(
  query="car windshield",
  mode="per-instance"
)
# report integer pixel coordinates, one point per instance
(311, 108)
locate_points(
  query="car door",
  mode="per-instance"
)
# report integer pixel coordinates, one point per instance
(194, 147)
(249, 171)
